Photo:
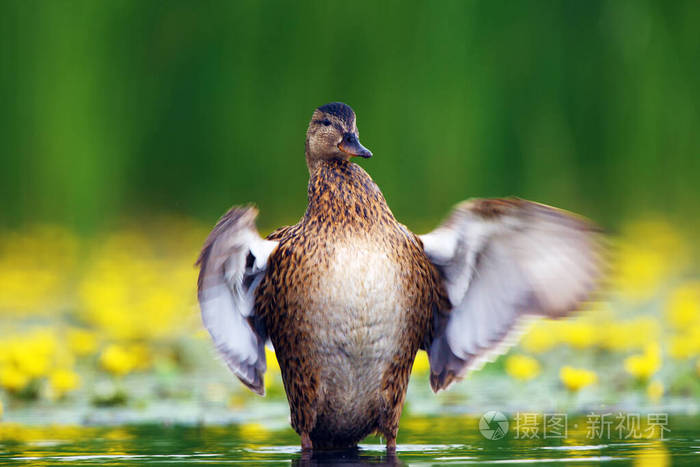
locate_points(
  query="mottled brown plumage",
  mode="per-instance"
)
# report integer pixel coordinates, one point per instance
(346, 208)
(348, 295)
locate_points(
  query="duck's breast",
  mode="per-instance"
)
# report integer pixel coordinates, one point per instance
(359, 310)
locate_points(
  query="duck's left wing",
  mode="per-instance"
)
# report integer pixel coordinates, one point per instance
(501, 261)
(232, 264)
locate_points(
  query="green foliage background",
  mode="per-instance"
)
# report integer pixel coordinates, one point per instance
(120, 108)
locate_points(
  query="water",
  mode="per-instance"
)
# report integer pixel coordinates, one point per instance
(422, 441)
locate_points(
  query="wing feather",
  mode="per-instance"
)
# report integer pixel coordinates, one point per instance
(232, 263)
(503, 262)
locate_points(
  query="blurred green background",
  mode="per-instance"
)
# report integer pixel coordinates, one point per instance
(113, 109)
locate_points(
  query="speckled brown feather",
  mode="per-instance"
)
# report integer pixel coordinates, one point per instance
(345, 205)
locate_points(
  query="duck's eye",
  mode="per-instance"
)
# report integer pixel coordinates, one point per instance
(326, 122)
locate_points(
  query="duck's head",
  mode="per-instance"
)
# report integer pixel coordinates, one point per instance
(333, 134)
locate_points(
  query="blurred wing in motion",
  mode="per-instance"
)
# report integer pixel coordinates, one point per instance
(232, 264)
(502, 261)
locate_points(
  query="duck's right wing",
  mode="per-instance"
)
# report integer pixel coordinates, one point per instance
(232, 263)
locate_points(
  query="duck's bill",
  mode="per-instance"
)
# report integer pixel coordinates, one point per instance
(351, 145)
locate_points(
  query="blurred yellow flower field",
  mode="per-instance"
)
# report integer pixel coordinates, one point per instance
(124, 303)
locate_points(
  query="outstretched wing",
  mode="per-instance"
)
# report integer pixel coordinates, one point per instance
(232, 264)
(502, 261)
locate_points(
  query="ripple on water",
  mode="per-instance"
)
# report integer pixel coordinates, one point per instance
(575, 448)
(556, 459)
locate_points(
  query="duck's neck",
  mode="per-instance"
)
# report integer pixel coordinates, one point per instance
(342, 192)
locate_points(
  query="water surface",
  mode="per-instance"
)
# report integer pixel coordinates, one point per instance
(422, 441)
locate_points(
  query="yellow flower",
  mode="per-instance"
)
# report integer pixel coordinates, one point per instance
(683, 307)
(32, 354)
(117, 360)
(421, 364)
(541, 337)
(63, 381)
(522, 367)
(640, 269)
(580, 334)
(1, 410)
(272, 363)
(34, 365)
(31, 363)
(13, 379)
(645, 365)
(82, 342)
(576, 378)
(655, 390)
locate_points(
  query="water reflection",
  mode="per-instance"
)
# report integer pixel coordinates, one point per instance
(348, 457)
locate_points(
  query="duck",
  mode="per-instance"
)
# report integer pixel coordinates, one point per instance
(347, 296)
